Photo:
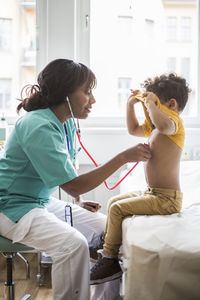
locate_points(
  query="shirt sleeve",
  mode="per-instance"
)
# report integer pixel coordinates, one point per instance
(147, 125)
(173, 116)
(45, 147)
(147, 128)
(176, 122)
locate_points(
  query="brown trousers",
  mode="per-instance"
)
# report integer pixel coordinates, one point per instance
(153, 201)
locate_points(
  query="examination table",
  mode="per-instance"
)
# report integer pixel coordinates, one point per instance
(161, 254)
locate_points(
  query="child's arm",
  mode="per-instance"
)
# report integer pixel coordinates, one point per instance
(132, 123)
(159, 119)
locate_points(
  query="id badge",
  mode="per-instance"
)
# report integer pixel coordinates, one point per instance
(68, 215)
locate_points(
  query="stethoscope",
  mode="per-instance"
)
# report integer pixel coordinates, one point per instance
(78, 133)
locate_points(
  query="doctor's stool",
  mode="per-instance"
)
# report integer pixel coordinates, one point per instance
(9, 250)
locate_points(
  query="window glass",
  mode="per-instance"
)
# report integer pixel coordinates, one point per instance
(17, 51)
(135, 39)
(171, 64)
(185, 68)
(171, 28)
(186, 26)
(5, 93)
(124, 86)
(5, 34)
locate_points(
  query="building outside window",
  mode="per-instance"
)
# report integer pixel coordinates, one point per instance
(185, 68)
(149, 27)
(171, 64)
(124, 86)
(140, 39)
(5, 93)
(17, 51)
(133, 39)
(5, 34)
(125, 25)
(172, 28)
(186, 27)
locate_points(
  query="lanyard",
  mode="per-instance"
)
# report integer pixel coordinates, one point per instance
(67, 138)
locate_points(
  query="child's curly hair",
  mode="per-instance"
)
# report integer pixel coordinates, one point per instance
(167, 86)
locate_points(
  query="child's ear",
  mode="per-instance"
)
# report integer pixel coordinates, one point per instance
(172, 104)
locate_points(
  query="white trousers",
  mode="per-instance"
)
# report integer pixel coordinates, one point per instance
(45, 230)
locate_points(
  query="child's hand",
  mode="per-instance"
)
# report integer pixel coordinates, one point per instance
(131, 99)
(151, 98)
(90, 205)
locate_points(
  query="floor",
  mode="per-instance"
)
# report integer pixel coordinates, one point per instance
(27, 286)
(23, 286)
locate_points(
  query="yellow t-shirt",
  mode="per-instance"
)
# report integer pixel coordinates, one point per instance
(178, 136)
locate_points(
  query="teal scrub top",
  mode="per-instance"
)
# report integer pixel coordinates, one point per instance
(35, 163)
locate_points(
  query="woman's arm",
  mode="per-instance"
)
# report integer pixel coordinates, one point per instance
(90, 180)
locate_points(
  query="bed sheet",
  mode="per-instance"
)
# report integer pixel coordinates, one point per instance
(163, 256)
(163, 252)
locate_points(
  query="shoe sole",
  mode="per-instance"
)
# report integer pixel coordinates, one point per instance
(103, 280)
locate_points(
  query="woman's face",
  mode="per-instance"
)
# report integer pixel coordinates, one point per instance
(81, 102)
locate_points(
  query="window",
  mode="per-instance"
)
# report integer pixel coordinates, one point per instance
(125, 25)
(5, 93)
(149, 27)
(171, 64)
(185, 68)
(117, 39)
(172, 28)
(5, 34)
(186, 26)
(140, 40)
(124, 86)
(17, 51)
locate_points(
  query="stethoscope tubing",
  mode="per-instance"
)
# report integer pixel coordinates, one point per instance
(77, 128)
(96, 165)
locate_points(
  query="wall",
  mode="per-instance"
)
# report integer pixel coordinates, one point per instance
(103, 144)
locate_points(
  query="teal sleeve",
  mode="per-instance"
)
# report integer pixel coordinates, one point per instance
(45, 147)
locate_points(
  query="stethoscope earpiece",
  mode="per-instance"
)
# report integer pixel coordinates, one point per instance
(71, 112)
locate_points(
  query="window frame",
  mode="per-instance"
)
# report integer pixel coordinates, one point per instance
(74, 24)
(117, 122)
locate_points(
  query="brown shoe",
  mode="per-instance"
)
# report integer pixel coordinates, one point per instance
(106, 269)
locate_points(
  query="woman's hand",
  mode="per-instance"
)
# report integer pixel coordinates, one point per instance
(90, 205)
(140, 152)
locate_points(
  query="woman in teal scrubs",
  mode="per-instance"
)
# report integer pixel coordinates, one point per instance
(36, 162)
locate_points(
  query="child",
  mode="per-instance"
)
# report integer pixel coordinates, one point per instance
(164, 99)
